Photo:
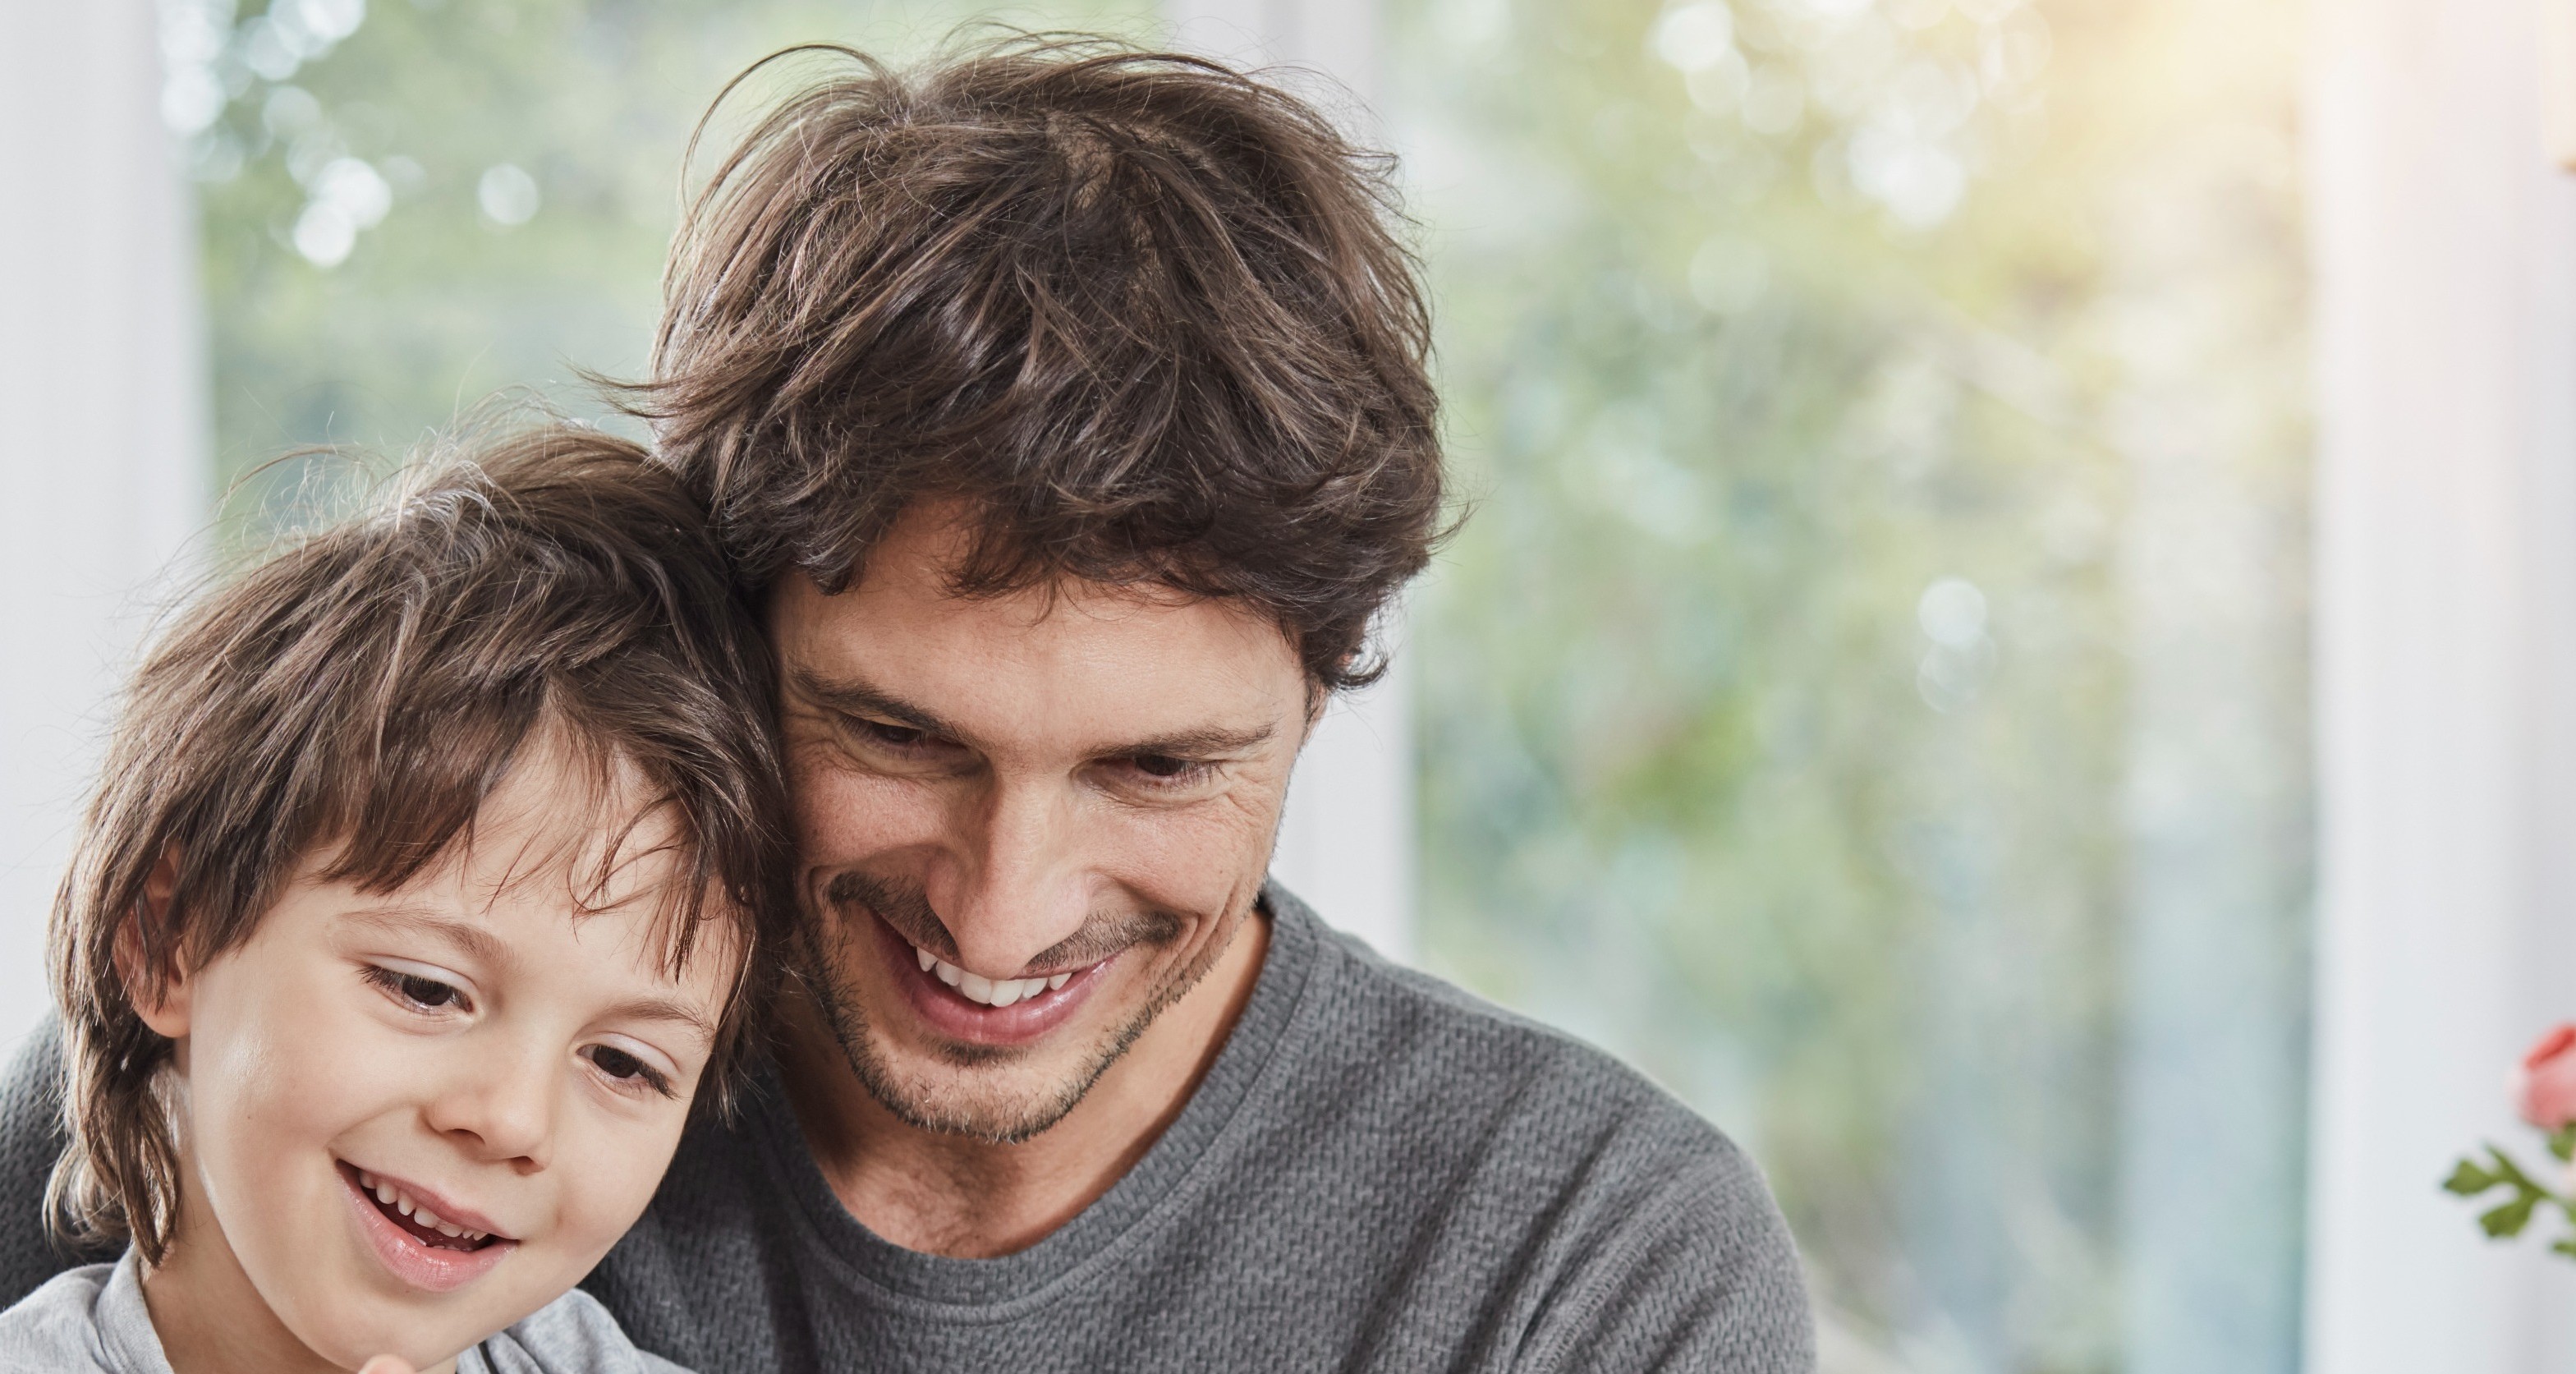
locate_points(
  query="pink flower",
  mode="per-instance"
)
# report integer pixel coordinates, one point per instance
(2544, 1088)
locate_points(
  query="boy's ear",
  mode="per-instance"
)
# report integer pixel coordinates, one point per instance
(161, 1001)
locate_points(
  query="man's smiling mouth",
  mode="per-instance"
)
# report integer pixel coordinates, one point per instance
(994, 992)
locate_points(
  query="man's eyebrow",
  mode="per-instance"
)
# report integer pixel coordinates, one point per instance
(469, 939)
(860, 699)
(1200, 743)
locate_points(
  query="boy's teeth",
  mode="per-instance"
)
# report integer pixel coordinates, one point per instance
(991, 992)
(402, 1202)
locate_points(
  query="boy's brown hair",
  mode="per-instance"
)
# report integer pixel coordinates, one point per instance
(1147, 317)
(359, 696)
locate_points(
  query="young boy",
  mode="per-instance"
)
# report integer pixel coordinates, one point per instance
(431, 879)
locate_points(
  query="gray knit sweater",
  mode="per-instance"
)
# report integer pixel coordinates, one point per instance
(1378, 1173)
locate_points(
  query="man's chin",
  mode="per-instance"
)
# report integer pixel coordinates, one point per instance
(996, 1094)
(999, 1096)
(940, 1063)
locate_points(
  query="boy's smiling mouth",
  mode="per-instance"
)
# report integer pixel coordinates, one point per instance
(419, 1241)
(415, 1216)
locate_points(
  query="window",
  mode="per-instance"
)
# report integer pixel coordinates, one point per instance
(413, 206)
(1871, 693)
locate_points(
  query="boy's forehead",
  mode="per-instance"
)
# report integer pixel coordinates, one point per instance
(564, 842)
(559, 823)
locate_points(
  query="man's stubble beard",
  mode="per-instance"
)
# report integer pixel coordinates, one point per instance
(852, 898)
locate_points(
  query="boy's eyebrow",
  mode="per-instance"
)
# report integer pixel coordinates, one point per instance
(471, 940)
(478, 943)
(662, 1009)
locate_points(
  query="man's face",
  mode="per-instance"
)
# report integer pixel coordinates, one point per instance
(1029, 824)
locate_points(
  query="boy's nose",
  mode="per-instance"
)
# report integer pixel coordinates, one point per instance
(500, 1107)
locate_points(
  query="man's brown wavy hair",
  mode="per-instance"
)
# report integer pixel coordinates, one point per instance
(1149, 319)
(356, 698)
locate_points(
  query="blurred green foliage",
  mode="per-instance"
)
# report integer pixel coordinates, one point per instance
(1880, 418)
(439, 306)
(1781, 703)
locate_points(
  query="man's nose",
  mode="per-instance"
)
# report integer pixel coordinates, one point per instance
(499, 1104)
(1017, 889)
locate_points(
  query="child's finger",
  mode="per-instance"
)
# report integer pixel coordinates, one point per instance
(386, 1364)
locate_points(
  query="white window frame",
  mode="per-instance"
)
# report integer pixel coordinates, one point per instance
(103, 423)
(2445, 670)
(1347, 843)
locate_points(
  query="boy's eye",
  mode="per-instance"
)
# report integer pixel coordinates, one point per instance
(626, 1068)
(428, 994)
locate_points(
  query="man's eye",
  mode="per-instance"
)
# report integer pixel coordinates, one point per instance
(427, 994)
(1169, 772)
(896, 736)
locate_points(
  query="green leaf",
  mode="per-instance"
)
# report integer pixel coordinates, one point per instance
(2565, 1247)
(2468, 1180)
(2511, 1172)
(2562, 1142)
(2509, 1219)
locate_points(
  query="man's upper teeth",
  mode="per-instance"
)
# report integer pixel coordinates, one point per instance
(992, 992)
(411, 1207)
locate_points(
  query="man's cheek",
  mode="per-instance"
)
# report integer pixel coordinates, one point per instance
(844, 818)
(1195, 862)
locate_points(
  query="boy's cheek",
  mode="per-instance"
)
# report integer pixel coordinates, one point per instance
(299, 1053)
(617, 1163)
(293, 1067)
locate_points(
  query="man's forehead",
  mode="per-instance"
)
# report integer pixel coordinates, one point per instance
(905, 604)
(1082, 667)
(919, 564)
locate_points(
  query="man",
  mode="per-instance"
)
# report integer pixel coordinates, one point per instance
(1068, 407)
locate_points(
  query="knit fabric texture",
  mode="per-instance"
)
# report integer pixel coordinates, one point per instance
(1379, 1172)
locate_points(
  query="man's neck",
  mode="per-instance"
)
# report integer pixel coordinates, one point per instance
(951, 1195)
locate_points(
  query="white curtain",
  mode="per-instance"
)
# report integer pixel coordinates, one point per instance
(102, 421)
(1347, 842)
(2446, 670)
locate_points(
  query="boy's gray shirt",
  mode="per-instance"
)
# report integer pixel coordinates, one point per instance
(92, 1320)
(1378, 1172)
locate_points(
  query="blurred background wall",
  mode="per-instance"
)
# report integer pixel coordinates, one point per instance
(104, 433)
(2445, 262)
(1874, 691)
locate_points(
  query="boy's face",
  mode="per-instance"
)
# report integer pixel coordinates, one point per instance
(410, 1119)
